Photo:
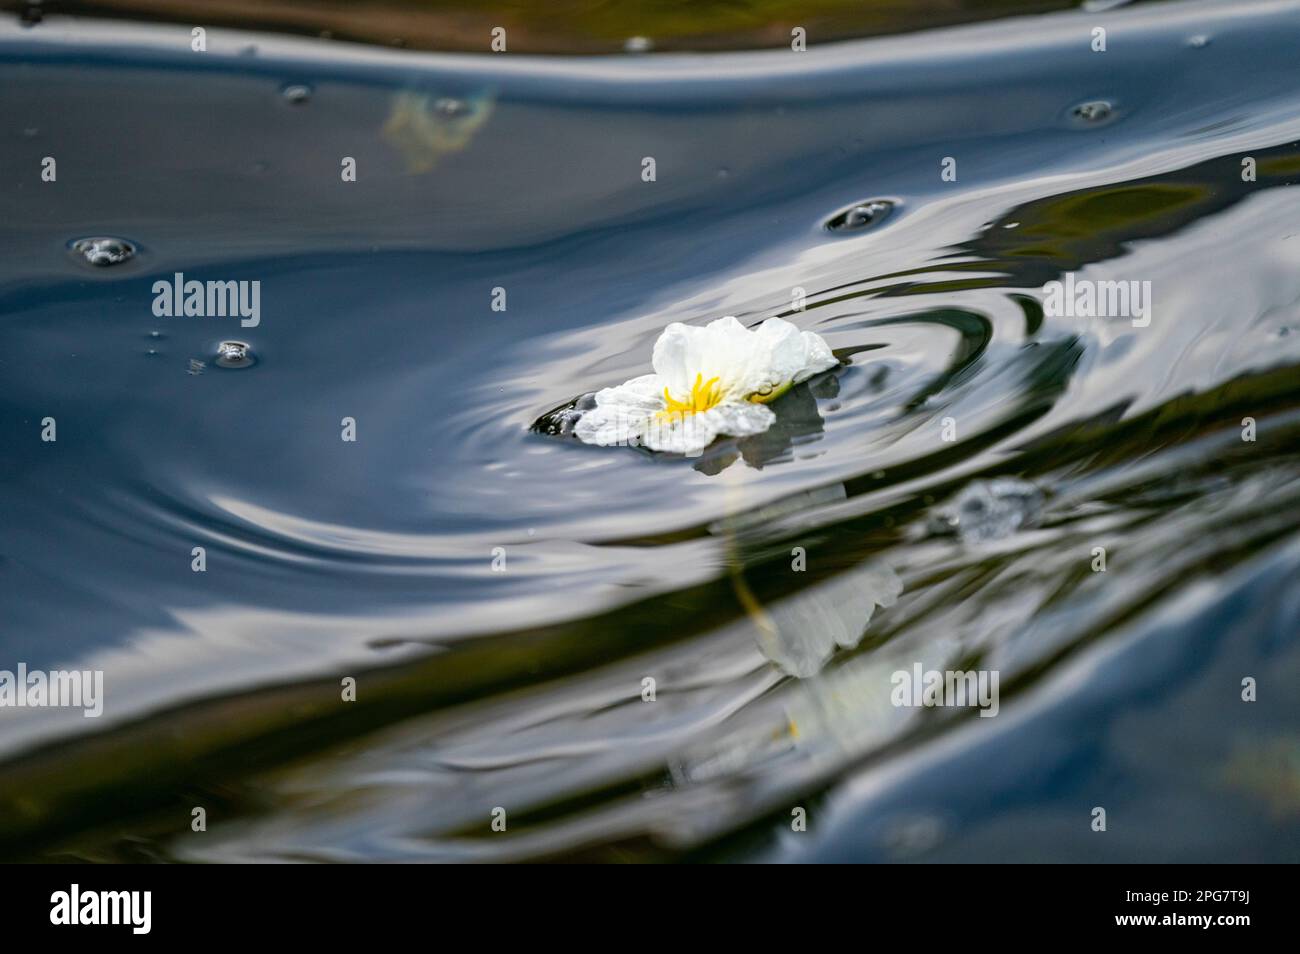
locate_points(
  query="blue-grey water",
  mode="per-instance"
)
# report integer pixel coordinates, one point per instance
(500, 596)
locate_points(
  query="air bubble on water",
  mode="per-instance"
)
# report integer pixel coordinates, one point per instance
(638, 44)
(296, 94)
(234, 354)
(862, 215)
(1093, 112)
(104, 250)
(989, 510)
(449, 107)
(1012, 225)
(1198, 41)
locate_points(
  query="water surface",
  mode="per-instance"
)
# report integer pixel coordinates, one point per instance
(521, 686)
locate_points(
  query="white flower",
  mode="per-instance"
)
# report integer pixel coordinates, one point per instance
(707, 381)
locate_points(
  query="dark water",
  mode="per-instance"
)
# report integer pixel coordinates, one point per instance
(521, 687)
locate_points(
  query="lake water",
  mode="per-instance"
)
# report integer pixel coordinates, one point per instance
(501, 596)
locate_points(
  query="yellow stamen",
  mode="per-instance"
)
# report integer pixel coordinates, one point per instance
(704, 395)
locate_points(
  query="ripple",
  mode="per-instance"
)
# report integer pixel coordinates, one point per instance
(768, 590)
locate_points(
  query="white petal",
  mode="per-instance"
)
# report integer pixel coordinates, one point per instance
(610, 427)
(671, 356)
(737, 356)
(647, 390)
(688, 434)
(784, 356)
(740, 418)
(692, 433)
(817, 357)
(621, 414)
(723, 349)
